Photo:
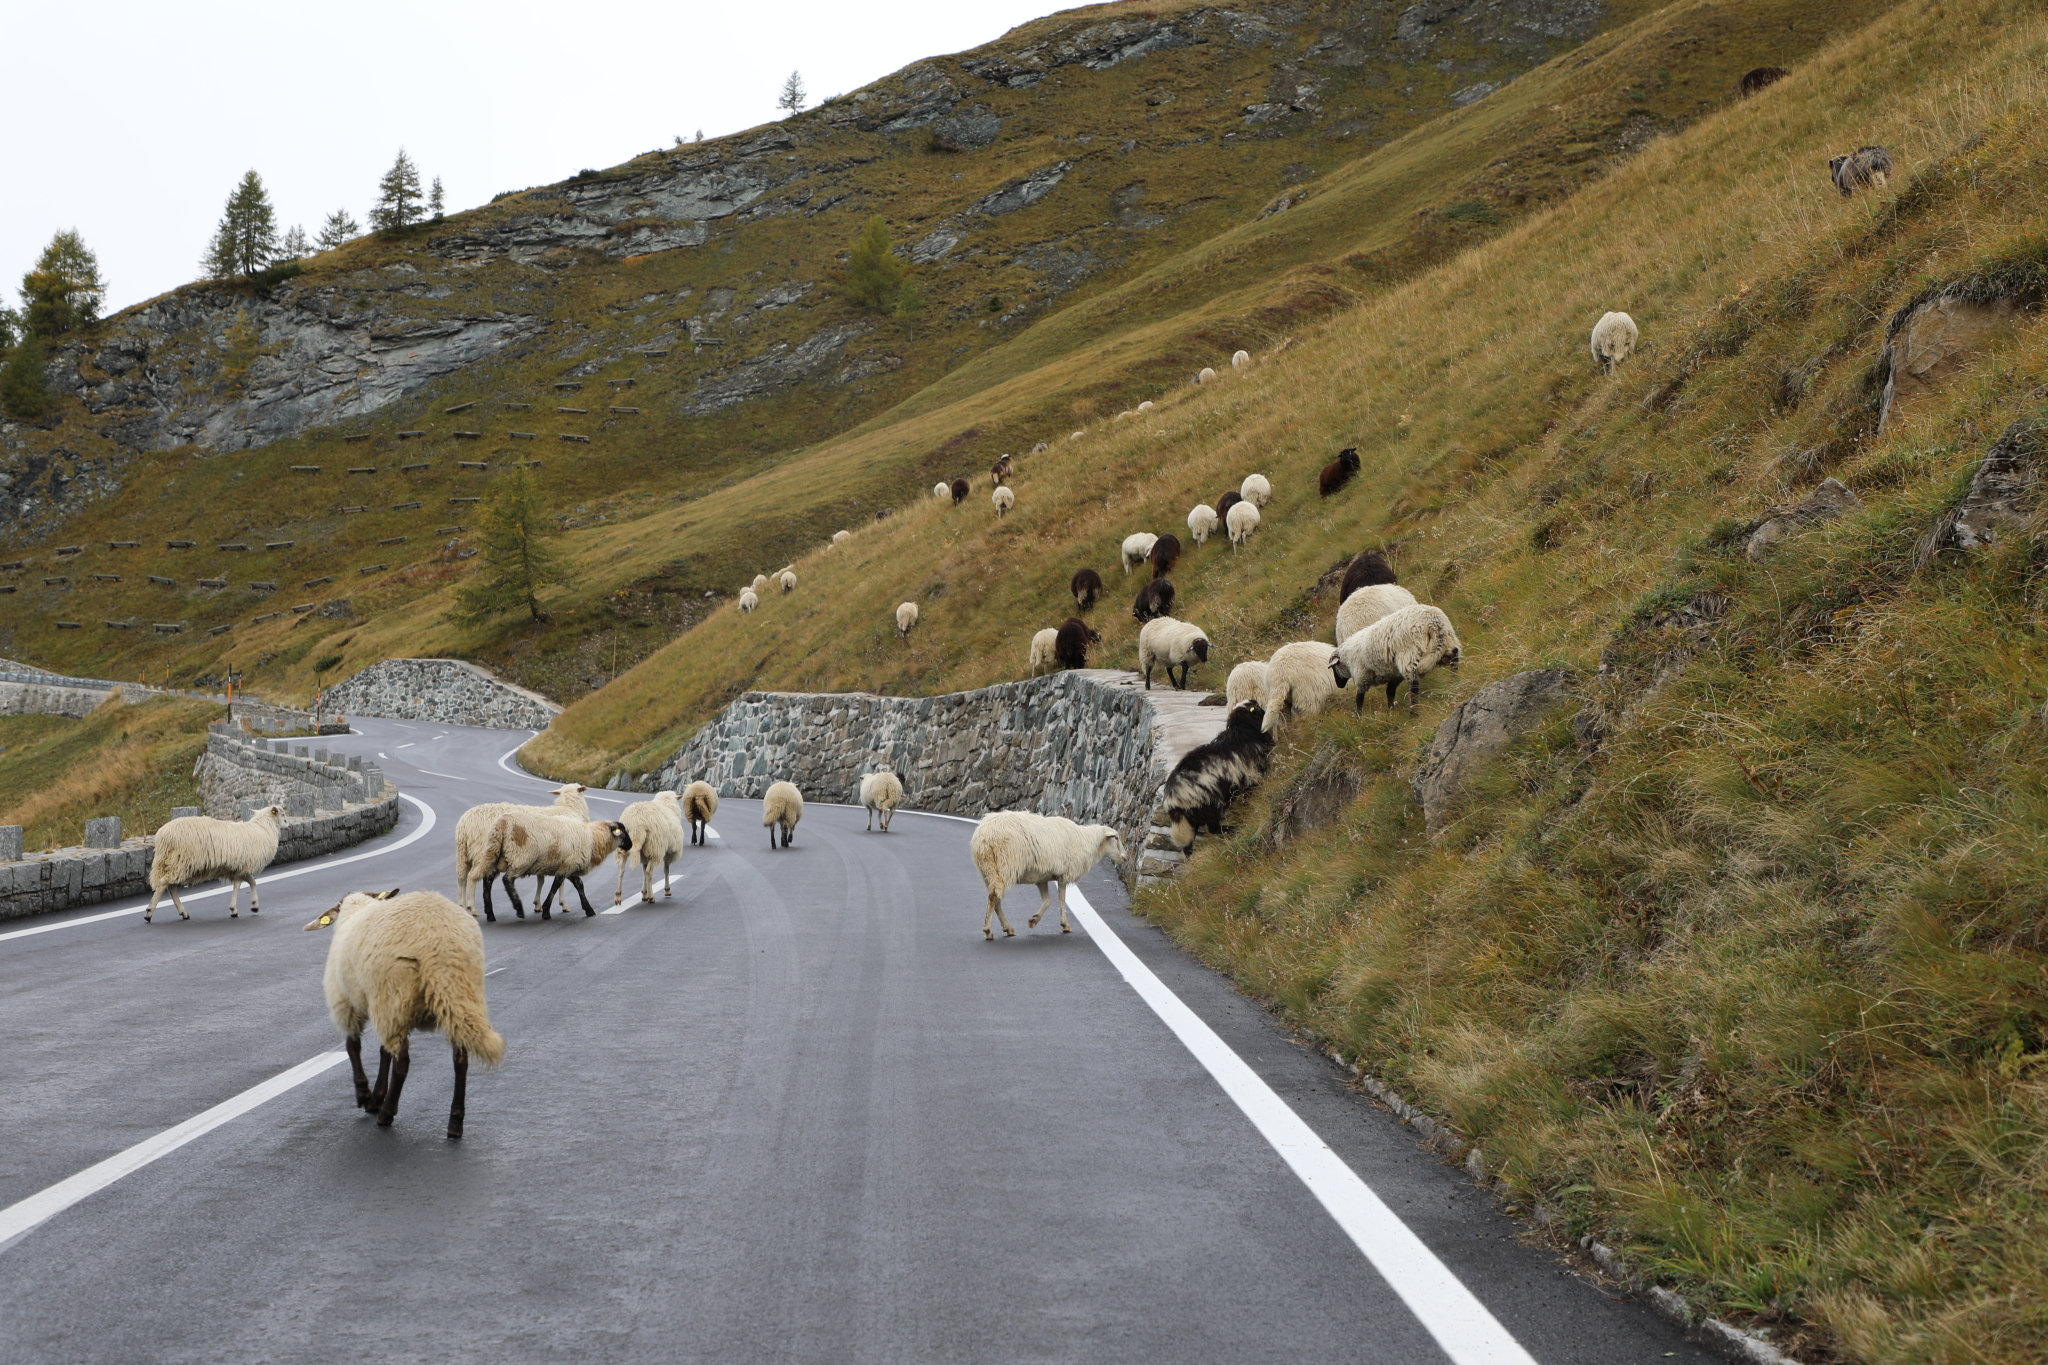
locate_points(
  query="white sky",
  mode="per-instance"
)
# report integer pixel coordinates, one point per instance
(146, 114)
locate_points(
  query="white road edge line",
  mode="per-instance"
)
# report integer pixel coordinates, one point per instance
(426, 827)
(37, 1209)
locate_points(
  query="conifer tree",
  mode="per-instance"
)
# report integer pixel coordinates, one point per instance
(338, 228)
(517, 561)
(793, 93)
(434, 201)
(22, 388)
(64, 290)
(398, 196)
(295, 246)
(909, 303)
(246, 240)
(10, 330)
(874, 275)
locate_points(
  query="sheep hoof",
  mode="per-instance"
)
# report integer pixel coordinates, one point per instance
(1009, 933)
(454, 1130)
(384, 1120)
(1065, 929)
(989, 934)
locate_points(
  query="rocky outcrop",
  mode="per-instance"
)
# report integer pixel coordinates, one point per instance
(2003, 492)
(1929, 341)
(445, 690)
(781, 367)
(1483, 725)
(1316, 798)
(1829, 500)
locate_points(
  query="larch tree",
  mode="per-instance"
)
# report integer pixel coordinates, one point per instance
(517, 561)
(296, 246)
(793, 94)
(338, 228)
(64, 290)
(435, 201)
(246, 240)
(398, 196)
(875, 275)
(23, 389)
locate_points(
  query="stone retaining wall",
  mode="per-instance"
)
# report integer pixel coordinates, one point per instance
(445, 690)
(240, 771)
(45, 699)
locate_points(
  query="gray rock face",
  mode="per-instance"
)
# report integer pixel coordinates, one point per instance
(1023, 191)
(1315, 799)
(1829, 500)
(1486, 723)
(781, 367)
(2003, 491)
(1930, 341)
(445, 690)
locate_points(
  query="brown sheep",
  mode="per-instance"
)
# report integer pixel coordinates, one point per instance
(1086, 587)
(1369, 568)
(1338, 472)
(1761, 78)
(960, 491)
(1155, 600)
(1165, 554)
(1070, 649)
(1001, 470)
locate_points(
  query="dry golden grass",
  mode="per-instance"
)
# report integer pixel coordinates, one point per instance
(131, 761)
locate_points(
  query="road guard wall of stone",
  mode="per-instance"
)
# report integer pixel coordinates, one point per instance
(445, 690)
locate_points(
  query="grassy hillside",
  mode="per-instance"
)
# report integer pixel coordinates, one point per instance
(132, 761)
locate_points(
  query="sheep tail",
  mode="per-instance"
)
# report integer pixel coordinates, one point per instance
(459, 1009)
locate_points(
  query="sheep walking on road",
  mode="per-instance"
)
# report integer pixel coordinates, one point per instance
(1614, 340)
(656, 830)
(1208, 778)
(1169, 642)
(1397, 648)
(700, 803)
(400, 963)
(475, 830)
(1017, 848)
(781, 808)
(881, 792)
(906, 617)
(198, 848)
(548, 845)
(1242, 521)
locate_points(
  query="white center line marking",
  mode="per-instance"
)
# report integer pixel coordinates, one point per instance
(494, 971)
(407, 745)
(450, 776)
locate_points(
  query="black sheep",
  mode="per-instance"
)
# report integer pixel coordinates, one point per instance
(1762, 78)
(1370, 567)
(1338, 472)
(1210, 777)
(1165, 554)
(1086, 587)
(1224, 504)
(1860, 170)
(959, 491)
(1071, 645)
(1155, 600)
(1001, 470)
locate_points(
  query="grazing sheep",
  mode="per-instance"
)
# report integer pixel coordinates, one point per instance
(1086, 587)
(1368, 605)
(1209, 777)
(1405, 645)
(1614, 338)
(1298, 681)
(1017, 848)
(1076, 435)
(942, 489)
(906, 617)
(760, 582)
(959, 491)
(1368, 568)
(1760, 79)
(1226, 502)
(1865, 168)
(1201, 523)
(1170, 642)
(1040, 448)
(1242, 521)
(1070, 648)
(1154, 600)
(1004, 499)
(399, 963)
(1247, 682)
(1136, 546)
(787, 580)
(1240, 360)
(656, 830)
(749, 599)
(1042, 645)
(1145, 406)
(1001, 469)
(700, 803)
(1165, 554)
(1255, 490)
(475, 830)
(1339, 471)
(198, 848)
(781, 808)
(841, 537)
(881, 791)
(1207, 376)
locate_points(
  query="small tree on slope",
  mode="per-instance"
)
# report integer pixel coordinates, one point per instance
(398, 196)
(22, 389)
(875, 278)
(246, 240)
(65, 289)
(517, 561)
(793, 94)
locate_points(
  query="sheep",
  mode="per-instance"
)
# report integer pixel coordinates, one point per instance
(405, 962)
(787, 578)
(1017, 848)
(1004, 499)
(942, 489)
(1242, 521)
(1247, 682)
(1255, 490)
(1040, 448)
(197, 848)
(1145, 406)
(781, 808)
(541, 843)
(1339, 471)
(1404, 645)
(700, 803)
(474, 831)
(841, 537)
(656, 830)
(1042, 645)
(1298, 681)
(1165, 554)
(760, 582)
(1154, 600)
(1170, 642)
(881, 791)
(906, 617)
(959, 491)
(1210, 776)
(1760, 79)
(1070, 645)
(1368, 605)
(1864, 168)
(1201, 523)
(1226, 502)
(1076, 435)
(1368, 568)
(1207, 376)
(1086, 587)
(1136, 546)
(1614, 338)
(748, 599)
(1001, 469)
(1240, 360)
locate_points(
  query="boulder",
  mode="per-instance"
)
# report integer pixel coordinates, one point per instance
(1315, 798)
(2002, 491)
(1826, 502)
(1491, 719)
(1936, 338)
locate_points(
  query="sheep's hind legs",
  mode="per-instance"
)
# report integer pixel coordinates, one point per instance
(461, 1090)
(577, 882)
(383, 1080)
(995, 910)
(489, 913)
(235, 897)
(400, 1064)
(1044, 904)
(511, 890)
(175, 900)
(355, 1061)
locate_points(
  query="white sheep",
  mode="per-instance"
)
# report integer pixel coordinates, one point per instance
(788, 580)
(539, 842)
(405, 962)
(1201, 523)
(656, 829)
(1241, 520)
(881, 792)
(198, 848)
(760, 582)
(942, 489)
(1298, 682)
(1368, 604)
(1017, 848)
(1145, 406)
(1397, 647)
(1164, 640)
(700, 803)
(1240, 360)
(841, 537)
(1614, 337)
(474, 832)
(781, 808)
(1207, 376)
(1255, 490)
(1003, 498)
(1137, 546)
(1247, 682)
(1075, 436)
(906, 617)
(1042, 647)
(749, 599)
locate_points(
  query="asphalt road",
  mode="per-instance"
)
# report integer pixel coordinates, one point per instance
(802, 1111)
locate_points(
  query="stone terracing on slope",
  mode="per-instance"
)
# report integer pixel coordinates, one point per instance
(445, 690)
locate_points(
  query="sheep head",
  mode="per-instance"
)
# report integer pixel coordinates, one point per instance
(355, 900)
(619, 836)
(1341, 673)
(1200, 649)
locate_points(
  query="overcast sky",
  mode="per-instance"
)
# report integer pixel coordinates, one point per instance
(138, 118)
